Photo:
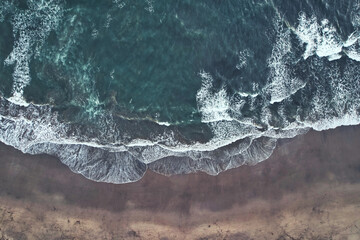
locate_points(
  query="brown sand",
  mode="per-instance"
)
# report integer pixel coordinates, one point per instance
(308, 189)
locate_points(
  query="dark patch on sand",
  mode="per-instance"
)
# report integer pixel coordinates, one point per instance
(330, 159)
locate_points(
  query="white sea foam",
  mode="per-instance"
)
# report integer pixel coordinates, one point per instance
(28, 36)
(329, 43)
(355, 13)
(243, 58)
(334, 57)
(20, 56)
(150, 6)
(323, 40)
(35, 129)
(119, 3)
(244, 94)
(214, 106)
(352, 39)
(348, 119)
(163, 123)
(281, 82)
(308, 33)
(353, 52)
(237, 139)
(18, 99)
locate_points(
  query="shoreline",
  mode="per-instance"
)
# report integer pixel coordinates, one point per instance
(309, 188)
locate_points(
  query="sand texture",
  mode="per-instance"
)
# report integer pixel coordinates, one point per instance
(308, 189)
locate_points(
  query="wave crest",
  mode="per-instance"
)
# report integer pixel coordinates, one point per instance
(301, 92)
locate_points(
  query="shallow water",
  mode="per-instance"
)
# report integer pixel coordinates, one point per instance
(115, 87)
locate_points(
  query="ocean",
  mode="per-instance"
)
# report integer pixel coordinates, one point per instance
(114, 88)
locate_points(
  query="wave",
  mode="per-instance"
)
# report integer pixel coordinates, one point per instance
(324, 41)
(244, 127)
(281, 82)
(35, 129)
(30, 29)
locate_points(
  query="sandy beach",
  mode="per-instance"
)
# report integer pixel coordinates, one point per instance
(308, 189)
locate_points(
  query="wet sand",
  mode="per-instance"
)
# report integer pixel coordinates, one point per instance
(308, 189)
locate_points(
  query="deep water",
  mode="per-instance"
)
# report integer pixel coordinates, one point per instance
(113, 88)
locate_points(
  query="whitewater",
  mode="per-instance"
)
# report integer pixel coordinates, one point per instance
(245, 125)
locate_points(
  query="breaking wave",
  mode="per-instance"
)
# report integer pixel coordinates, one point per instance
(301, 92)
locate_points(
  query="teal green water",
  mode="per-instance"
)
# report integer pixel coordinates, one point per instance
(145, 63)
(113, 88)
